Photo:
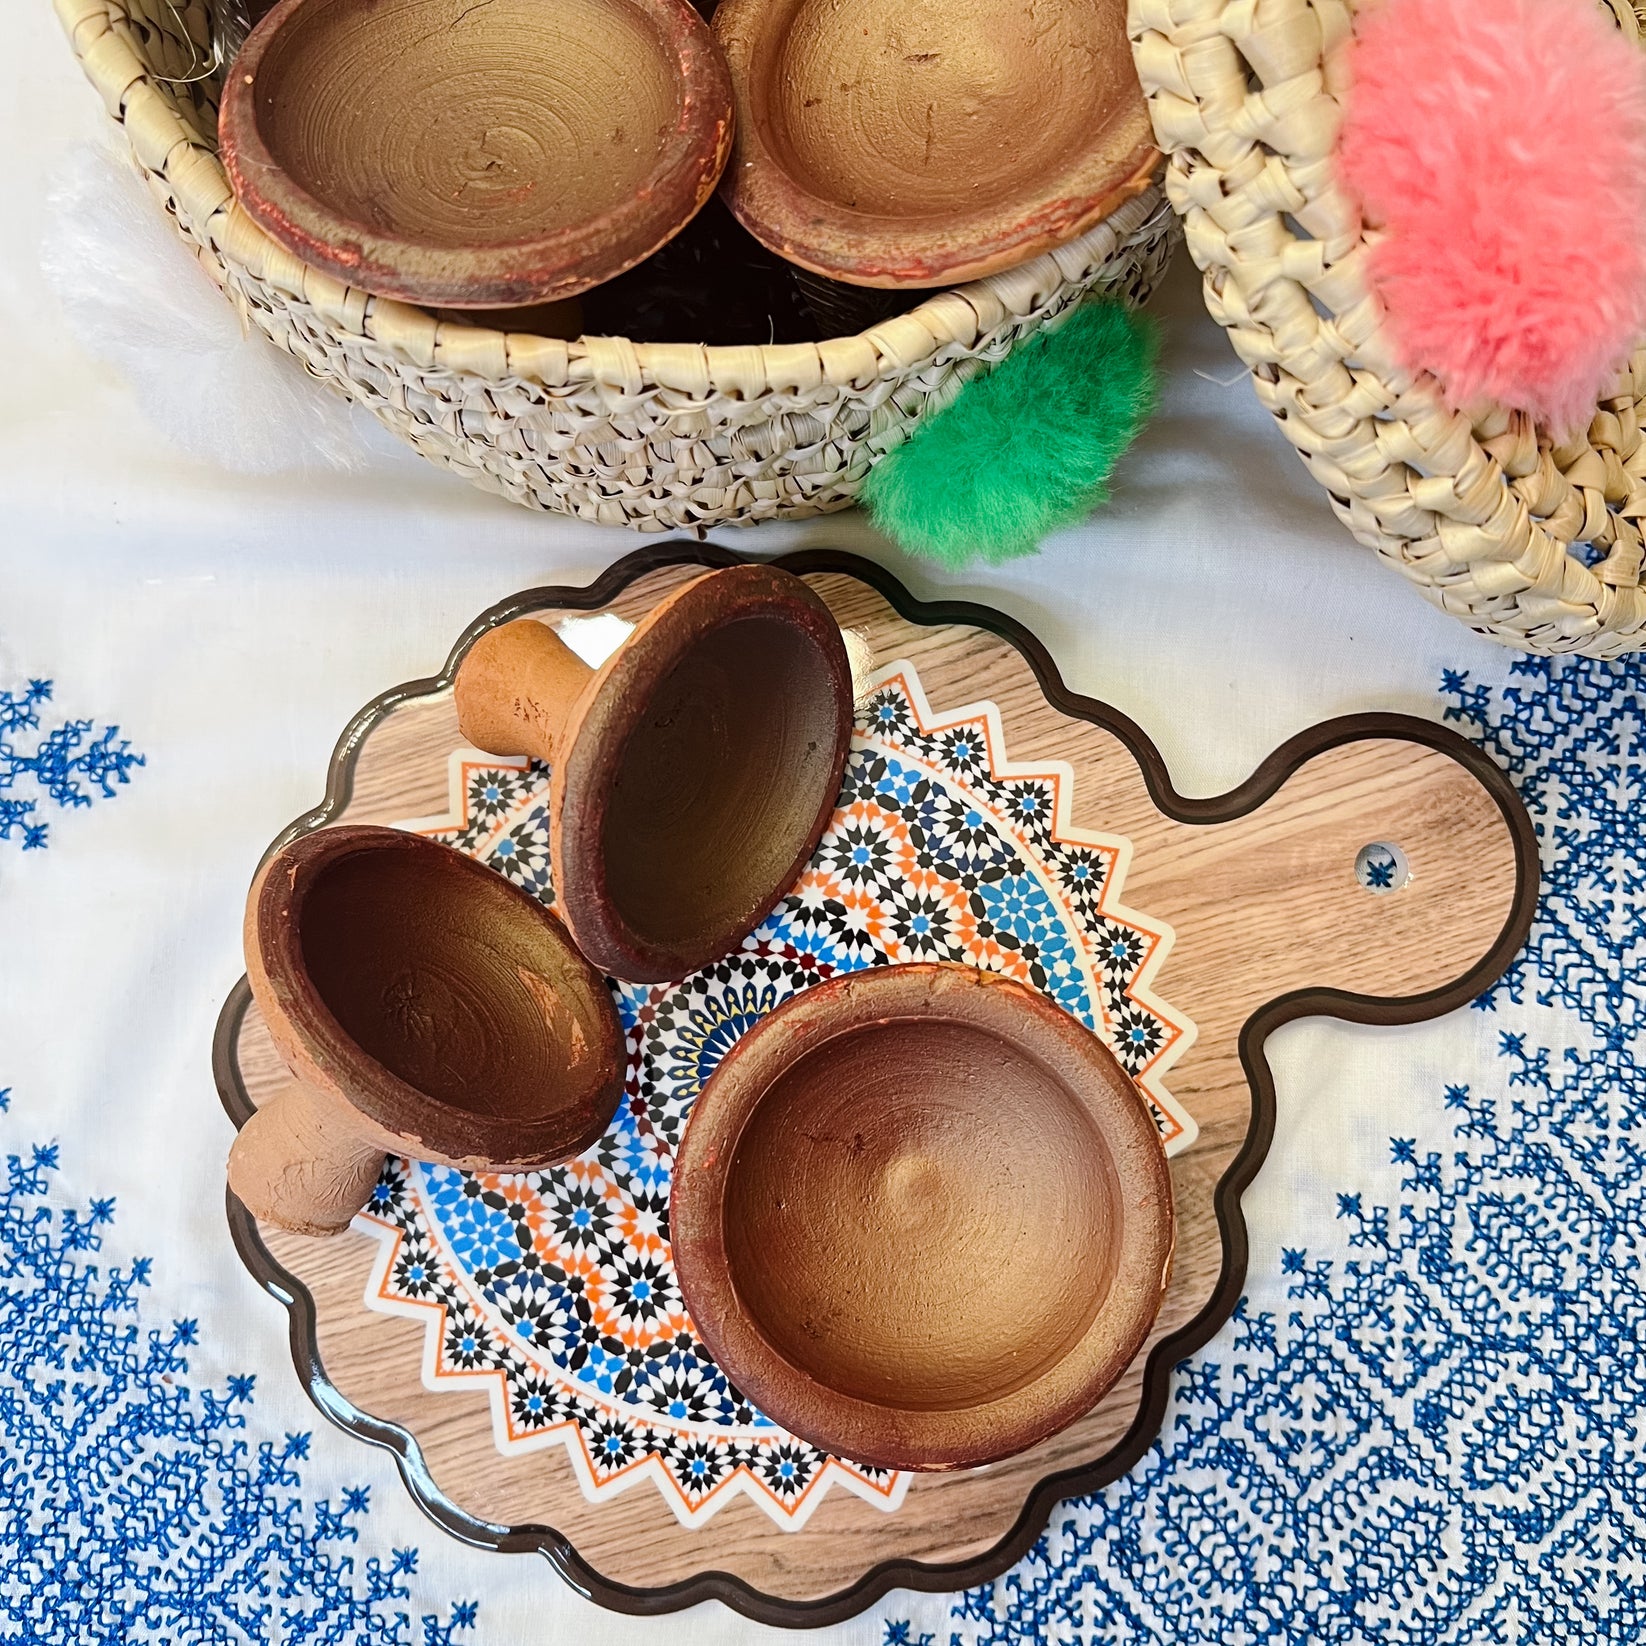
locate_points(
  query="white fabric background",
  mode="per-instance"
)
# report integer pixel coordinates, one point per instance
(232, 622)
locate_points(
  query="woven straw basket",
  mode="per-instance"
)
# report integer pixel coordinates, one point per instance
(658, 436)
(1535, 544)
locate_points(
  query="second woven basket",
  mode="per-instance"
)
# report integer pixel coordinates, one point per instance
(1534, 543)
(656, 436)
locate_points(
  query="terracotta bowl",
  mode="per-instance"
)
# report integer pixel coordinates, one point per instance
(426, 1007)
(921, 1217)
(475, 155)
(926, 142)
(694, 771)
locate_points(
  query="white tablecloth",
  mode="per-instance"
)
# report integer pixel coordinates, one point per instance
(1424, 1425)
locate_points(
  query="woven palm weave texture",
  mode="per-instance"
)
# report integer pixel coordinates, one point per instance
(1534, 543)
(657, 436)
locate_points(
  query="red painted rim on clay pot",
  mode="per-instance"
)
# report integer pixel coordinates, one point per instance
(921, 1217)
(475, 155)
(925, 142)
(694, 771)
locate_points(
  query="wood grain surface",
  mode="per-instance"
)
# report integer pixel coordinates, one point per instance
(1270, 922)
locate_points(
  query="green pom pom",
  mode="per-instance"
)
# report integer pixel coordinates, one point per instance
(1024, 449)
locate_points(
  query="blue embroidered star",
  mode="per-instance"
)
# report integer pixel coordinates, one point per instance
(66, 763)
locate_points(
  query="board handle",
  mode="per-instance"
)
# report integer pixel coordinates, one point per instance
(1394, 868)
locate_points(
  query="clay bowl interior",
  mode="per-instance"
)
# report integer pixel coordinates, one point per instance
(703, 767)
(921, 1217)
(923, 142)
(446, 1005)
(465, 155)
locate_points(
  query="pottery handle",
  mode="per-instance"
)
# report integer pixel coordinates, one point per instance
(516, 688)
(299, 1164)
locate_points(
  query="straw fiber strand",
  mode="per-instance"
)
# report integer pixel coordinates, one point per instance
(1536, 544)
(656, 436)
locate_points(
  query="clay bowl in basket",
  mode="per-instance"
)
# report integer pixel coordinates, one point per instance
(694, 772)
(921, 1217)
(475, 155)
(426, 1007)
(923, 142)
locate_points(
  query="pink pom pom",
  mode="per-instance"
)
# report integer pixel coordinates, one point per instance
(1502, 145)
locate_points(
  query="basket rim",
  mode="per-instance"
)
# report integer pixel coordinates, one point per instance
(166, 145)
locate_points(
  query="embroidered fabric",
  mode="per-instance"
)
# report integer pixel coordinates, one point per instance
(1435, 1439)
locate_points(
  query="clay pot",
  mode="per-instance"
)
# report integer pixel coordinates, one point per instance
(468, 155)
(426, 1007)
(694, 771)
(921, 1217)
(924, 142)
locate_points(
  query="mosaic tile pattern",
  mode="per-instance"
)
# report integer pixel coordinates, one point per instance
(560, 1283)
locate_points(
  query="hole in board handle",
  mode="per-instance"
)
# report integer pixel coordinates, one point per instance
(1381, 866)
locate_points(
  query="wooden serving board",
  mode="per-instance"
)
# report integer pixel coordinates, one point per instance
(1249, 912)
